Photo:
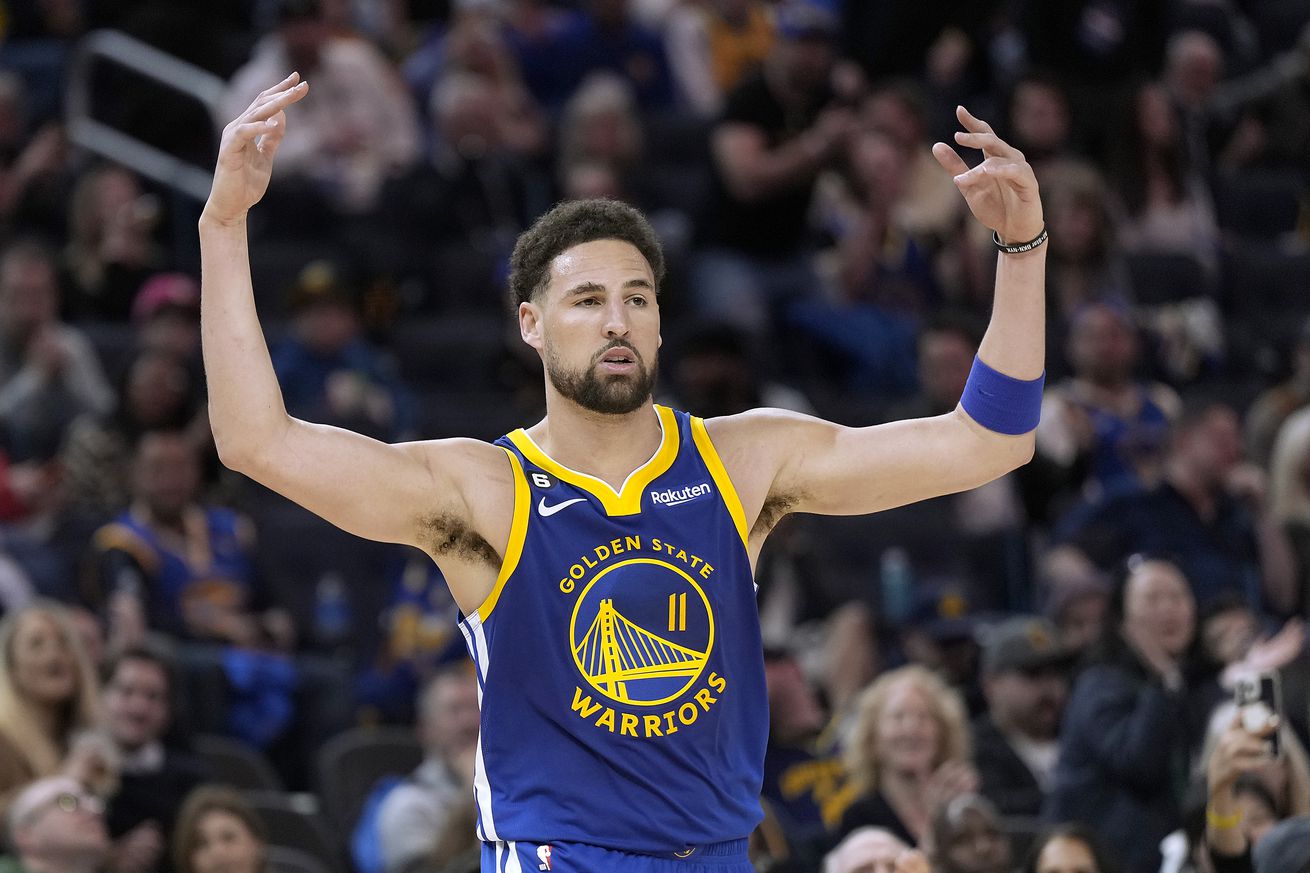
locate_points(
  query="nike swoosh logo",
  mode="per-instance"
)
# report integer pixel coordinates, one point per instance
(547, 511)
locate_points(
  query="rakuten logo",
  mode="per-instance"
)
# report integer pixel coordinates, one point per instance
(674, 496)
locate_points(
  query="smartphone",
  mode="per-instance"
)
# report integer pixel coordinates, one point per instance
(1259, 700)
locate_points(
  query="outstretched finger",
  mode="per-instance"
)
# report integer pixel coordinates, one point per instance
(266, 107)
(972, 122)
(951, 161)
(987, 143)
(286, 83)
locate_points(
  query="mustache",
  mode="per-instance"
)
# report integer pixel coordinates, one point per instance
(618, 344)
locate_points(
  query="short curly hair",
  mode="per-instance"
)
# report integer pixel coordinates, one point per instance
(570, 224)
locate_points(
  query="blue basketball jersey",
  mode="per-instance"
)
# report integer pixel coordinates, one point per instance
(619, 656)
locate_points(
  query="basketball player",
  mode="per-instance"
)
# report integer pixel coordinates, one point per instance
(603, 557)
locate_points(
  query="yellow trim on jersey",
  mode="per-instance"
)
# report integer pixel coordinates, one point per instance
(627, 500)
(518, 532)
(710, 455)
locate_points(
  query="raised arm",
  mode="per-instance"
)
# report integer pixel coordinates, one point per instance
(408, 493)
(785, 462)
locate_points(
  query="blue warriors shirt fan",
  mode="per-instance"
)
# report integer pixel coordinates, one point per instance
(619, 658)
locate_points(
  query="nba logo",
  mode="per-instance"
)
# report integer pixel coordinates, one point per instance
(543, 855)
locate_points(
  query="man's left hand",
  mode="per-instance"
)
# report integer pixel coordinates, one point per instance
(1002, 190)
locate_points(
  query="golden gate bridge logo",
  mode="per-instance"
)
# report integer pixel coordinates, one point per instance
(648, 660)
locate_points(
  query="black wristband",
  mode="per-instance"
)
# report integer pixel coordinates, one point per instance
(1020, 248)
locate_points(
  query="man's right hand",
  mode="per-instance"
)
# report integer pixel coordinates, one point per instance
(246, 152)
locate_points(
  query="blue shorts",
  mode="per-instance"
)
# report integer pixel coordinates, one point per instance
(514, 857)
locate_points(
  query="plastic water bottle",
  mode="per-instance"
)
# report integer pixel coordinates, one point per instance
(897, 579)
(331, 610)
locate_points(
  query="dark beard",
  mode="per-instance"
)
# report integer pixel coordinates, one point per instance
(608, 395)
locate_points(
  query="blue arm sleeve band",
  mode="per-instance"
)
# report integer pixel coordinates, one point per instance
(1002, 403)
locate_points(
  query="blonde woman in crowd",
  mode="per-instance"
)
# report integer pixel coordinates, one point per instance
(48, 693)
(909, 754)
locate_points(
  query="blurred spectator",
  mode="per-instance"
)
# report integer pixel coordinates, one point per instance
(1104, 427)
(33, 166)
(873, 850)
(713, 45)
(49, 372)
(967, 837)
(1194, 65)
(472, 193)
(38, 40)
(48, 692)
(1084, 265)
(946, 347)
(909, 754)
(414, 813)
(1209, 509)
(111, 247)
(534, 28)
(329, 372)
(600, 127)
(55, 823)
(802, 787)
(1067, 848)
(478, 47)
(156, 776)
(1266, 788)
(778, 129)
(796, 586)
(218, 832)
(931, 208)
(166, 315)
(170, 563)
(714, 373)
(1289, 495)
(884, 274)
(1130, 726)
(159, 393)
(1268, 412)
(1040, 123)
(476, 44)
(419, 637)
(1238, 751)
(1286, 848)
(939, 632)
(1016, 744)
(1167, 201)
(39, 529)
(359, 128)
(1097, 50)
(1275, 105)
(850, 661)
(604, 35)
(16, 589)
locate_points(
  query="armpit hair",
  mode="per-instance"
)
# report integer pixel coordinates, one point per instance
(774, 508)
(448, 536)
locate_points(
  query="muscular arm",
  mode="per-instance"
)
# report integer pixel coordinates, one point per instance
(785, 462)
(411, 493)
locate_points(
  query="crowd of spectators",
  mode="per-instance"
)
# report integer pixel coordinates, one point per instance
(1037, 675)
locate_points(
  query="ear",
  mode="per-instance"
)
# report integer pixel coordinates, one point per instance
(530, 325)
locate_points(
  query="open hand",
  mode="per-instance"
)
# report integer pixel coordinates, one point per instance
(1002, 190)
(246, 152)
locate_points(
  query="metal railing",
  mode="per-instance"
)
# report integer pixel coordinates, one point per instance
(87, 132)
